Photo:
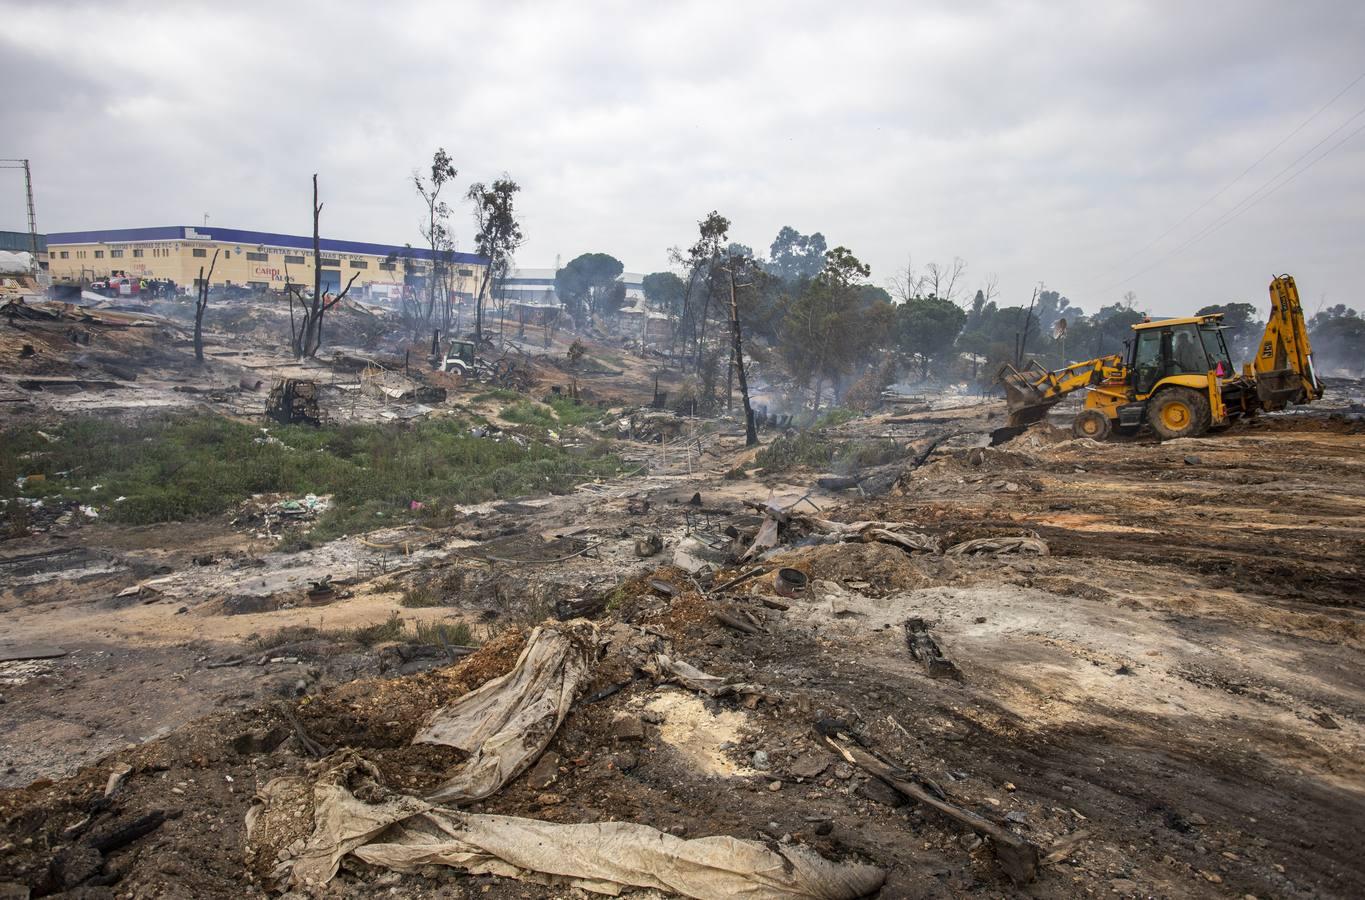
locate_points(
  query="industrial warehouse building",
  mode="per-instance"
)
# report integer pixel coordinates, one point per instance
(255, 259)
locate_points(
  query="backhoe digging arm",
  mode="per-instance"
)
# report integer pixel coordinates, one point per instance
(1284, 362)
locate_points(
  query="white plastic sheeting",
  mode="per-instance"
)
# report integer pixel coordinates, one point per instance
(404, 833)
(506, 723)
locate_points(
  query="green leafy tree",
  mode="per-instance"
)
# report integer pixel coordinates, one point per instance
(665, 291)
(926, 330)
(1338, 337)
(497, 238)
(1102, 334)
(828, 327)
(587, 285)
(1242, 328)
(703, 260)
(436, 230)
(794, 256)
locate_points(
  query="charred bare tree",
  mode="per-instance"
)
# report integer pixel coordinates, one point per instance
(908, 283)
(942, 280)
(1022, 340)
(306, 335)
(750, 429)
(201, 303)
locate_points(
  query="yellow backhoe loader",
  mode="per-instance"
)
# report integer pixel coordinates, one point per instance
(1176, 376)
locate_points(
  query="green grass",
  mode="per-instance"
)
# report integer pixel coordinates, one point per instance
(421, 597)
(391, 629)
(835, 415)
(454, 633)
(501, 394)
(571, 413)
(555, 413)
(529, 412)
(813, 449)
(179, 467)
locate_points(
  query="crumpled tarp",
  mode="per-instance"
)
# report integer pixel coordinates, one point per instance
(605, 857)
(506, 723)
(404, 833)
(997, 545)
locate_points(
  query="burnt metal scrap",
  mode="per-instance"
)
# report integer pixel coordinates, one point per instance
(294, 402)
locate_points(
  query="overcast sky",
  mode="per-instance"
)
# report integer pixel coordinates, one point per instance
(1047, 141)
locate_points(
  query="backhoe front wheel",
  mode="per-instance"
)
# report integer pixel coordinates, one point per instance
(1178, 412)
(1091, 423)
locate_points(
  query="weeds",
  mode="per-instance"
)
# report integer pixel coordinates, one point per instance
(421, 597)
(570, 412)
(528, 412)
(835, 415)
(392, 630)
(179, 467)
(454, 633)
(293, 540)
(501, 394)
(818, 451)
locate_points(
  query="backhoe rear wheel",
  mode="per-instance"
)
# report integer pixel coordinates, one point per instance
(1091, 423)
(1178, 412)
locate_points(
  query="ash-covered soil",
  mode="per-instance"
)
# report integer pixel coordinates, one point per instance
(1169, 704)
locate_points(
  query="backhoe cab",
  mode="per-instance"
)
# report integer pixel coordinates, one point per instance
(1177, 376)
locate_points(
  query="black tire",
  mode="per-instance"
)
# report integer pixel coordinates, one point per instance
(1091, 423)
(1177, 412)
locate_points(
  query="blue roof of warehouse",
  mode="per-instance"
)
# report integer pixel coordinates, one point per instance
(245, 238)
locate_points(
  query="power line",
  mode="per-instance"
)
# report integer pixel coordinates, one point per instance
(1192, 213)
(1227, 214)
(1310, 165)
(1235, 212)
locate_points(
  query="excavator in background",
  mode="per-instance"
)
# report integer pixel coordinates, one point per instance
(1176, 376)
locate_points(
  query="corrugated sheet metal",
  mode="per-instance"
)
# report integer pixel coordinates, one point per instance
(19, 240)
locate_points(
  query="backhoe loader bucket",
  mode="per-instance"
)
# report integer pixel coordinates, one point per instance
(1023, 396)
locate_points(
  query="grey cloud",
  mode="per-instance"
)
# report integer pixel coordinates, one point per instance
(1039, 141)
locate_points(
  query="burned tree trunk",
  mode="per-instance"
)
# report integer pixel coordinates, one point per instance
(306, 337)
(201, 303)
(750, 429)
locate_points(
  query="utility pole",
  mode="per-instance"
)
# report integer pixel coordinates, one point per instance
(28, 189)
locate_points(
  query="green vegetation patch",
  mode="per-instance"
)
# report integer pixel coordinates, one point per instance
(815, 450)
(178, 467)
(835, 415)
(528, 412)
(500, 394)
(570, 412)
